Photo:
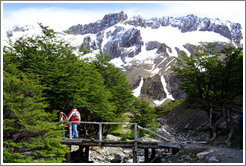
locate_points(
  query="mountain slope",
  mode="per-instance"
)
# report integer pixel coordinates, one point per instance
(145, 48)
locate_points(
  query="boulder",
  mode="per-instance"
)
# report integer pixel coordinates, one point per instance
(202, 155)
(213, 159)
(112, 137)
(117, 158)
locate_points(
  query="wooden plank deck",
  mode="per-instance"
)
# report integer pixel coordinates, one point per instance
(170, 147)
(123, 144)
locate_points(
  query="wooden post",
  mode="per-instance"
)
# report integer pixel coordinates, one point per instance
(152, 153)
(170, 150)
(87, 153)
(68, 155)
(135, 149)
(146, 155)
(100, 133)
(70, 130)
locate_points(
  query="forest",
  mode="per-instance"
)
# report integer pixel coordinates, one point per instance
(44, 75)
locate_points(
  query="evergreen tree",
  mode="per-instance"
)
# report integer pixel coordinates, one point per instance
(28, 132)
(116, 83)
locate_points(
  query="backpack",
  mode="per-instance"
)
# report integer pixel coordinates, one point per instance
(77, 115)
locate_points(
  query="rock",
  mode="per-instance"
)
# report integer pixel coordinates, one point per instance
(188, 23)
(187, 126)
(151, 45)
(99, 39)
(213, 159)
(117, 158)
(120, 42)
(93, 45)
(86, 42)
(162, 48)
(23, 28)
(173, 86)
(131, 38)
(147, 139)
(201, 155)
(153, 88)
(9, 33)
(107, 21)
(137, 21)
(112, 137)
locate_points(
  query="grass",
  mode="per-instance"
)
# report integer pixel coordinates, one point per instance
(116, 129)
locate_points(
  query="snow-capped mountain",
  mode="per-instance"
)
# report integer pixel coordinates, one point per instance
(145, 48)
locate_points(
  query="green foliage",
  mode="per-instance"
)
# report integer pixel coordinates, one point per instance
(207, 78)
(128, 136)
(28, 135)
(162, 110)
(213, 79)
(83, 50)
(117, 84)
(143, 114)
(44, 75)
(68, 80)
(116, 129)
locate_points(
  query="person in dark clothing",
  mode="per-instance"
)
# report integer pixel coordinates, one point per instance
(62, 117)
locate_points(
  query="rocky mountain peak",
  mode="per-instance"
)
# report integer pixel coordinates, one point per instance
(107, 21)
(188, 23)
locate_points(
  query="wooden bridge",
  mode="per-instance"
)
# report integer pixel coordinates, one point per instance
(84, 144)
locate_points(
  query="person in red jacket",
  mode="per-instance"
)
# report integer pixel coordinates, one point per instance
(72, 116)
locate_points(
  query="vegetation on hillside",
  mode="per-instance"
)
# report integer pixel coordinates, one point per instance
(44, 75)
(212, 79)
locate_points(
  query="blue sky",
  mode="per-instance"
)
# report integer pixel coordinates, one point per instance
(65, 14)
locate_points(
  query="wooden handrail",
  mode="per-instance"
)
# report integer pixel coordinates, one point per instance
(135, 147)
(122, 123)
(153, 133)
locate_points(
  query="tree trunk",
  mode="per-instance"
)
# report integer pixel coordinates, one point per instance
(231, 126)
(212, 127)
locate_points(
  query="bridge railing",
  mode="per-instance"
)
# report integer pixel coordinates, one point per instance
(136, 127)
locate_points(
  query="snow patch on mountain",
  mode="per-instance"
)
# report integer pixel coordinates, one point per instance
(137, 91)
(169, 95)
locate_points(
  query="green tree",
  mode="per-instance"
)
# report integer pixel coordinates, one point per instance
(96, 88)
(117, 84)
(28, 132)
(143, 114)
(212, 78)
(68, 80)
